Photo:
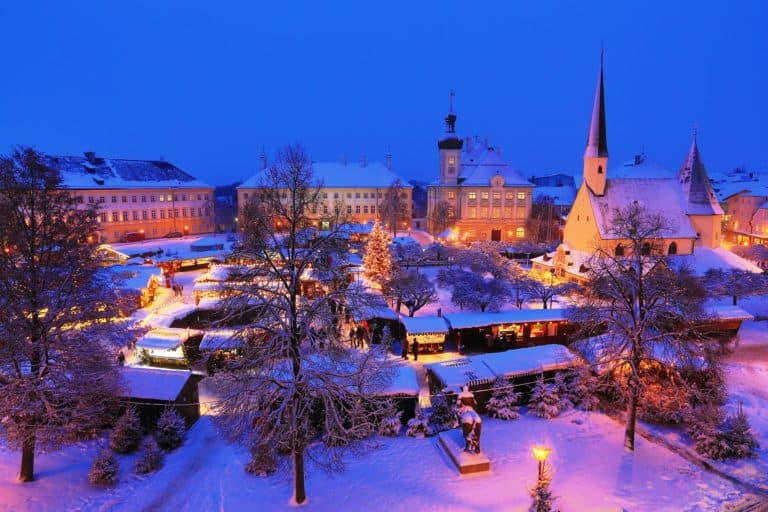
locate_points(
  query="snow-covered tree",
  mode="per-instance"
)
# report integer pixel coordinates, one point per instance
(735, 283)
(411, 289)
(377, 259)
(644, 307)
(390, 420)
(387, 339)
(171, 429)
(545, 287)
(284, 395)
(57, 379)
(441, 416)
(408, 253)
(127, 433)
(719, 439)
(150, 457)
(418, 426)
(393, 210)
(503, 401)
(263, 461)
(583, 388)
(563, 387)
(543, 499)
(545, 402)
(472, 290)
(104, 469)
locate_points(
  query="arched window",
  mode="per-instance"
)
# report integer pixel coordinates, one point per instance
(646, 250)
(672, 248)
(599, 169)
(619, 251)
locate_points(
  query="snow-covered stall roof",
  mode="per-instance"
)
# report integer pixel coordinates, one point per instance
(594, 350)
(154, 383)
(531, 361)
(166, 338)
(220, 272)
(404, 382)
(135, 277)
(479, 319)
(425, 325)
(467, 371)
(728, 312)
(166, 315)
(219, 339)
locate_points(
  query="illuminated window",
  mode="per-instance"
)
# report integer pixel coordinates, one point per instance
(483, 212)
(520, 233)
(508, 212)
(509, 195)
(521, 195)
(483, 195)
(472, 195)
(472, 212)
(162, 197)
(451, 160)
(496, 212)
(451, 195)
(497, 195)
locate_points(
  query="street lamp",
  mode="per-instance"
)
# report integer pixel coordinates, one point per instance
(540, 453)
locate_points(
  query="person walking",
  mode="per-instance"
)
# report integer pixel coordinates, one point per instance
(415, 349)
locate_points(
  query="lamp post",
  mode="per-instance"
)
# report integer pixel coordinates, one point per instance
(540, 453)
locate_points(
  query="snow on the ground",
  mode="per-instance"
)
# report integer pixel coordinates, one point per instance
(591, 472)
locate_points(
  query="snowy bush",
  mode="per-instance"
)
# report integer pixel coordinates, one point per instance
(387, 340)
(731, 439)
(582, 389)
(545, 402)
(418, 426)
(666, 404)
(543, 500)
(150, 458)
(262, 463)
(171, 430)
(503, 401)
(442, 416)
(127, 433)
(104, 469)
(562, 386)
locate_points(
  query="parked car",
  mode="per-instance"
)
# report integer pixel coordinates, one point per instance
(173, 234)
(134, 236)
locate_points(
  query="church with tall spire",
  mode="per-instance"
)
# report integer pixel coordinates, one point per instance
(685, 199)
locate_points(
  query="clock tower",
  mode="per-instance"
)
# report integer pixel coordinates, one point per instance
(450, 150)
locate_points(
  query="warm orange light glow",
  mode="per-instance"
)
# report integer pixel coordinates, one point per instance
(541, 453)
(141, 231)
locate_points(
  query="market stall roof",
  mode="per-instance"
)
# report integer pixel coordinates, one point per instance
(485, 368)
(166, 315)
(728, 312)
(166, 338)
(425, 325)
(513, 316)
(403, 382)
(219, 339)
(154, 383)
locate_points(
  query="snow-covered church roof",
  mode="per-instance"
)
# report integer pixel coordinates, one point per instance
(344, 175)
(94, 172)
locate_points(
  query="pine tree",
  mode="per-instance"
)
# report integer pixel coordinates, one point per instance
(543, 500)
(377, 260)
(720, 439)
(503, 401)
(442, 416)
(582, 388)
(386, 338)
(104, 469)
(171, 430)
(562, 386)
(545, 402)
(738, 434)
(150, 459)
(127, 433)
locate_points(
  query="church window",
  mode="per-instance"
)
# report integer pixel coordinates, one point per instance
(619, 251)
(646, 249)
(672, 248)
(599, 169)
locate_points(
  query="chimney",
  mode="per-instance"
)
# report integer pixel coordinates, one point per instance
(388, 159)
(638, 159)
(344, 160)
(90, 156)
(363, 161)
(263, 159)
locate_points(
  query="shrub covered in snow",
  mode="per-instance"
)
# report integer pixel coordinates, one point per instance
(583, 388)
(262, 463)
(150, 458)
(389, 419)
(562, 386)
(545, 402)
(171, 430)
(127, 433)
(418, 426)
(503, 401)
(728, 439)
(442, 416)
(104, 469)
(387, 340)
(664, 403)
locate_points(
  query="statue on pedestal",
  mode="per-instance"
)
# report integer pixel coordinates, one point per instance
(471, 423)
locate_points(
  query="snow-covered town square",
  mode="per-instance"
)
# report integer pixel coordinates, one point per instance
(272, 256)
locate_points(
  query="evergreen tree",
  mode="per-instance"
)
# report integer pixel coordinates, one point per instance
(171, 430)
(543, 500)
(562, 386)
(386, 338)
(150, 459)
(418, 426)
(104, 469)
(503, 401)
(582, 389)
(442, 416)
(127, 433)
(545, 402)
(377, 260)
(389, 422)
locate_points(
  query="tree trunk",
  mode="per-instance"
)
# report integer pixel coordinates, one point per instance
(299, 491)
(734, 300)
(545, 303)
(629, 433)
(27, 472)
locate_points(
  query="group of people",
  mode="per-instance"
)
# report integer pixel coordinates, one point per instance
(357, 336)
(178, 289)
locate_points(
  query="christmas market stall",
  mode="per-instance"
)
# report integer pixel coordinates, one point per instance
(404, 391)
(429, 332)
(168, 346)
(152, 390)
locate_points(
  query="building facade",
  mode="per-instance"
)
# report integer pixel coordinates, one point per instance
(138, 198)
(360, 190)
(478, 196)
(746, 216)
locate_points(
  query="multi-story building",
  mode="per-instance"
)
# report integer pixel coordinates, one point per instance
(478, 196)
(746, 214)
(360, 191)
(138, 198)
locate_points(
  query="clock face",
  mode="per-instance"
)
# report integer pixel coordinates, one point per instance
(497, 181)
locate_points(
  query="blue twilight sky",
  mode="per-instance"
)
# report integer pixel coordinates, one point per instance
(206, 84)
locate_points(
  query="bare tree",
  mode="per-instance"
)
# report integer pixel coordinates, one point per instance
(544, 222)
(393, 210)
(735, 283)
(57, 380)
(412, 289)
(545, 288)
(442, 216)
(296, 390)
(643, 308)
